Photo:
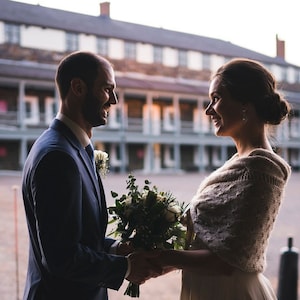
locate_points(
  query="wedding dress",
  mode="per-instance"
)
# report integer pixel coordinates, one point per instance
(238, 286)
(232, 215)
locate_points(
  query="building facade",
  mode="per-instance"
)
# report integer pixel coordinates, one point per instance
(162, 80)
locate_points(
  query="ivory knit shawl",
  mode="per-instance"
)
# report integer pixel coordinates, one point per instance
(234, 209)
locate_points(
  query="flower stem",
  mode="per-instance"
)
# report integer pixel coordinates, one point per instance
(133, 290)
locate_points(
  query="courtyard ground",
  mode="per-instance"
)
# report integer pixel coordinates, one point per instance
(14, 239)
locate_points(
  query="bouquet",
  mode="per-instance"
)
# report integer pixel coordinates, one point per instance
(149, 219)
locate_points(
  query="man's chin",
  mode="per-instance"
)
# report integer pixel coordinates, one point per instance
(100, 123)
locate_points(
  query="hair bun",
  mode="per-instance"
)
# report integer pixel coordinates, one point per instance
(274, 109)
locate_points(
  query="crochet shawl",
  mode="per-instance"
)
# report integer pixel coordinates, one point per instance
(234, 209)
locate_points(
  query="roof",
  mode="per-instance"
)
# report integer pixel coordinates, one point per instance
(46, 72)
(21, 13)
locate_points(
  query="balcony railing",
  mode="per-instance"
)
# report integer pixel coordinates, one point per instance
(9, 119)
(134, 124)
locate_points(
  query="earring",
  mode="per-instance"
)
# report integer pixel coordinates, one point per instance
(244, 115)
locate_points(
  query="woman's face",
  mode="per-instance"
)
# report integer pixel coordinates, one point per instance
(225, 112)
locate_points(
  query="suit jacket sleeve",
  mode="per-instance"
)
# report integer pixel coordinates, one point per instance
(70, 234)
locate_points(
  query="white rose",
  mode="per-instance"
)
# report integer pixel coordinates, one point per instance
(145, 194)
(160, 198)
(172, 213)
(127, 201)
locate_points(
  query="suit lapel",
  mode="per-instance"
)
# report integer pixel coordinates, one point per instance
(90, 168)
(103, 202)
(67, 132)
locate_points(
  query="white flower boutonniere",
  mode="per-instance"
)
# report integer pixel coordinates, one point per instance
(101, 160)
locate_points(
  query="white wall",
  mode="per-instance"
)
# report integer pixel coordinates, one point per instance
(87, 43)
(116, 49)
(291, 75)
(55, 40)
(46, 39)
(216, 62)
(194, 60)
(170, 57)
(144, 53)
(2, 33)
(276, 70)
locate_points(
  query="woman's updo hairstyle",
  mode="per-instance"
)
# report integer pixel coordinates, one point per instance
(249, 81)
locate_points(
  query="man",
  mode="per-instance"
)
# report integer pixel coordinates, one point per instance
(69, 255)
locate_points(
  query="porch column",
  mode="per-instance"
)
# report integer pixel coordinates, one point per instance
(201, 153)
(224, 153)
(21, 105)
(177, 157)
(148, 159)
(123, 155)
(23, 152)
(176, 114)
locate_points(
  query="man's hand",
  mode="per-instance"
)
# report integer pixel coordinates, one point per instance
(124, 249)
(142, 267)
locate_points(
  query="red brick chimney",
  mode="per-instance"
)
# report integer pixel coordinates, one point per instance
(105, 9)
(280, 47)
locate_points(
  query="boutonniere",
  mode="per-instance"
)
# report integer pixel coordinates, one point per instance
(101, 161)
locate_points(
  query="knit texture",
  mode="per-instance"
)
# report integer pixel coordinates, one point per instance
(235, 208)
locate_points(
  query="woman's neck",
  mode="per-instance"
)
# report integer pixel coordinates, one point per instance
(246, 147)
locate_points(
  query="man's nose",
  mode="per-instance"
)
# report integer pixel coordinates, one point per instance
(208, 109)
(113, 99)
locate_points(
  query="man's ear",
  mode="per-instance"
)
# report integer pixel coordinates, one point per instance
(78, 87)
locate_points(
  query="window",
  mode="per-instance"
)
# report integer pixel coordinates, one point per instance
(32, 115)
(298, 77)
(169, 118)
(50, 109)
(158, 54)
(206, 61)
(169, 156)
(115, 117)
(182, 58)
(12, 33)
(3, 106)
(102, 46)
(115, 157)
(284, 75)
(206, 125)
(295, 124)
(130, 50)
(71, 41)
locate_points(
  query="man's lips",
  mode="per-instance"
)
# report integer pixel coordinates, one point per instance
(216, 121)
(105, 112)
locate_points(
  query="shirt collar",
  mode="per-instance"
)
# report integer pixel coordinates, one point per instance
(77, 130)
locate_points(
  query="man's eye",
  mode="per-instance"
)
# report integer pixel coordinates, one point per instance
(215, 99)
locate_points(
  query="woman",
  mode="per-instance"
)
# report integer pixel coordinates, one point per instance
(234, 209)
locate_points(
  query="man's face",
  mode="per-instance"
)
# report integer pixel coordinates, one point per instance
(100, 97)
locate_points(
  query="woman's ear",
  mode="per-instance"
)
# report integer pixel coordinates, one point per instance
(78, 87)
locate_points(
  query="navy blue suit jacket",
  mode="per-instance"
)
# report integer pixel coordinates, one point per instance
(67, 219)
